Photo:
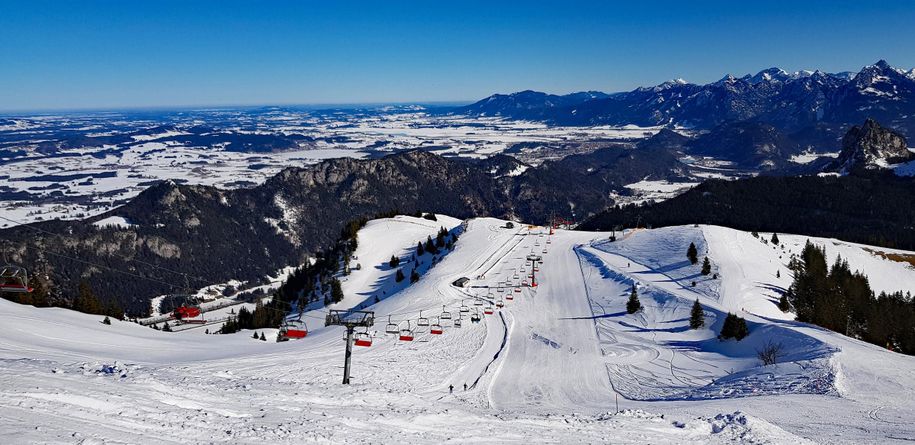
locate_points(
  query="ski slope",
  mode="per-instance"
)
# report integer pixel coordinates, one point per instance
(550, 366)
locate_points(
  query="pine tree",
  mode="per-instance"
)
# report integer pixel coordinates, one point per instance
(783, 304)
(774, 238)
(696, 316)
(263, 338)
(336, 291)
(706, 267)
(778, 274)
(727, 328)
(394, 261)
(106, 320)
(166, 327)
(414, 277)
(420, 250)
(741, 330)
(692, 253)
(399, 277)
(86, 300)
(254, 335)
(633, 305)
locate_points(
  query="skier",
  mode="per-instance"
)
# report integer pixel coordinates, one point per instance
(450, 389)
(465, 387)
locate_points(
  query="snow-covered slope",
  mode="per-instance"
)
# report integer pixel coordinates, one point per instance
(548, 367)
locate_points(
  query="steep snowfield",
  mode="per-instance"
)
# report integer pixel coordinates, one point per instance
(548, 367)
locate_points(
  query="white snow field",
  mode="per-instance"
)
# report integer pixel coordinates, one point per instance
(549, 367)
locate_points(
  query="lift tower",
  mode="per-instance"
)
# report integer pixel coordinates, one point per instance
(350, 320)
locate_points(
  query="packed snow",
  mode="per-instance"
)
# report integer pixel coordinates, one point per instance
(560, 362)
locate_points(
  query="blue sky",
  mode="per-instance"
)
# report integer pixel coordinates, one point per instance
(113, 54)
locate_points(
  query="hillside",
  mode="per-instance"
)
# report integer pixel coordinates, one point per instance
(566, 346)
(876, 208)
(174, 237)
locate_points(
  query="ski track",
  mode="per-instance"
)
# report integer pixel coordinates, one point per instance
(549, 368)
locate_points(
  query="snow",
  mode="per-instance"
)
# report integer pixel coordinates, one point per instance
(113, 221)
(549, 367)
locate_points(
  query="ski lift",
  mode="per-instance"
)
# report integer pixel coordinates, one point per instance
(475, 318)
(500, 304)
(363, 338)
(509, 297)
(391, 328)
(544, 250)
(445, 314)
(488, 310)
(457, 321)
(549, 241)
(188, 314)
(464, 307)
(518, 289)
(478, 302)
(436, 328)
(292, 329)
(14, 279)
(406, 334)
(423, 321)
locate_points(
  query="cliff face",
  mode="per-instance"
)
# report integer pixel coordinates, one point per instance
(870, 147)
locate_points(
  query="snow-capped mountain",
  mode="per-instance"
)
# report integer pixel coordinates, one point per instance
(788, 100)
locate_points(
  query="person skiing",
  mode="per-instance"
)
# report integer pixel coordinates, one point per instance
(450, 389)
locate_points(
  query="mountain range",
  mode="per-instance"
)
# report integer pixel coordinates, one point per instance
(789, 102)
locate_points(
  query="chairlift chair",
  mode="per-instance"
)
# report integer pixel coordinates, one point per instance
(488, 310)
(457, 321)
(406, 334)
(363, 338)
(422, 321)
(478, 302)
(391, 328)
(475, 317)
(500, 304)
(464, 307)
(445, 314)
(436, 328)
(14, 279)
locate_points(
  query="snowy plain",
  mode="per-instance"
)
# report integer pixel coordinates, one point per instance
(550, 366)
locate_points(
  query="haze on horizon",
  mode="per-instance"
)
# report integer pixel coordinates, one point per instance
(110, 54)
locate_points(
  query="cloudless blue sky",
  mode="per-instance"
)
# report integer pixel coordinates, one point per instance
(111, 54)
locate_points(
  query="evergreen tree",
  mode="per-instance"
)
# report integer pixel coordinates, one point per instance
(254, 335)
(106, 320)
(783, 304)
(706, 267)
(39, 294)
(166, 327)
(414, 277)
(336, 291)
(86, 300)
(633, 305)
(420, 250)
(399, 277)
(774, 238)
(696, 316)
(778, 274)
(692, 253)
(741, 331)
(394, 261)
(263, 338)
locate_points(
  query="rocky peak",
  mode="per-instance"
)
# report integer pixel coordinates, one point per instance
(871, 146)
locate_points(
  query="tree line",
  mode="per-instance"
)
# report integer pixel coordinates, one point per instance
(839, 299)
